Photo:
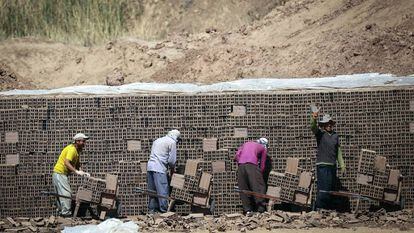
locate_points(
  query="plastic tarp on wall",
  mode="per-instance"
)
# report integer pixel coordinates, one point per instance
(267, 84)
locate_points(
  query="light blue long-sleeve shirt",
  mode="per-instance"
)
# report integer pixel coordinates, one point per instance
(163, 155)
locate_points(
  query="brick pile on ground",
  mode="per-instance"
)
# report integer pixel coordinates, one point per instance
(39, 224)
(402, 220)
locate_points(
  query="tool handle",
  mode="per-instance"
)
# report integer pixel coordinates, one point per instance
(54, 194)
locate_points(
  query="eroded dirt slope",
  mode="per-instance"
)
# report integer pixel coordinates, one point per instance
(302, 38)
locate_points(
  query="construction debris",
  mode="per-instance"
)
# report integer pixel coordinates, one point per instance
(402, 220)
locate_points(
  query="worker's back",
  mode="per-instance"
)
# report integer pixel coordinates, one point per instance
(250, 152)
(162, 153)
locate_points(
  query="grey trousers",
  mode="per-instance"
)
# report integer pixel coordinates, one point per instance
(250, 178)
(62, 187)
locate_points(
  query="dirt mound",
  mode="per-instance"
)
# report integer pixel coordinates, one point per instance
(157, 19)
(302, 38)
(308, 39)
(10, 80)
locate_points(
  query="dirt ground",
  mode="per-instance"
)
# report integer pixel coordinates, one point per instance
(302, 38)
(326, 230)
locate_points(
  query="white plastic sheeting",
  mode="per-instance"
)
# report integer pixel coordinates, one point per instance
(268, 84)
(111, 225)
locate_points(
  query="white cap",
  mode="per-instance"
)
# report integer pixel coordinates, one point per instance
(326, 119)
(80, 136)
(174, 134)
(263, 141)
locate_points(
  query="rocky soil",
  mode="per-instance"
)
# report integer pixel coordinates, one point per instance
(301, 38)
(169, 222)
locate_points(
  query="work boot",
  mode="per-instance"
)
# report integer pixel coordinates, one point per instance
(261, 209)
(66, 215)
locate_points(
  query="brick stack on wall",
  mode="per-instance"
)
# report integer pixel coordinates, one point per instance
(34, 129)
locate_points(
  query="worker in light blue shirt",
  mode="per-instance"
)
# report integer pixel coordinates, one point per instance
(163, 157)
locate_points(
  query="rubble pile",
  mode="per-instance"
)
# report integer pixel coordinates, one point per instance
(279, 219)
(39, 224)
(402, 220)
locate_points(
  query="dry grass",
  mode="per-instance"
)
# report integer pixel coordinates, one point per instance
(84, 22)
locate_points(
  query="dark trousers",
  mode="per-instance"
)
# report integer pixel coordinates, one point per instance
(326, 176)
(250, 178)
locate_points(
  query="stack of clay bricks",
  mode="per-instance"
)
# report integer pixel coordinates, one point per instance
(292, 186)
(34, 130)
(19, 200)
(376, 179)
(100, 192)
(91, 189)
(223, 195)
(226, 199)
(194, 186)
(132, 174)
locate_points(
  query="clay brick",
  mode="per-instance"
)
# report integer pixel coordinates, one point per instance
(143, 167)
(273, 191)
(364, 179)
(240, 132)
(200, 199)
(209, 144)
(191, 167)
(380, 163)
(239, 111)
(305, 180)
(218, 166)
(133, 145)
(301, 198)
(84, 194)
(11, 137)
(205, 181)
(108, 202)
(102, 215)
(394, 177)
(390, 196)
(111, 182)
(366, 161)
(411, 127)
(177, 181)
(12, 159)
(292, 165)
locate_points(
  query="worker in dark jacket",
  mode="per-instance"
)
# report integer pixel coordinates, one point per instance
(251, 160)
(328, 154)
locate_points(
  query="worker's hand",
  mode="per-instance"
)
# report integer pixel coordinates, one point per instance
(172, 171)
(82, 173)
(343, 170)
(315, 109)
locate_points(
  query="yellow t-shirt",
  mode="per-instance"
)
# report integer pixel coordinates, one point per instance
(70, 153)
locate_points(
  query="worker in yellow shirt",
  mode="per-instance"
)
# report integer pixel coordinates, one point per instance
(68, 162)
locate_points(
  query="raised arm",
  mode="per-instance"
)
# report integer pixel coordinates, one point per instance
(314, 125)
